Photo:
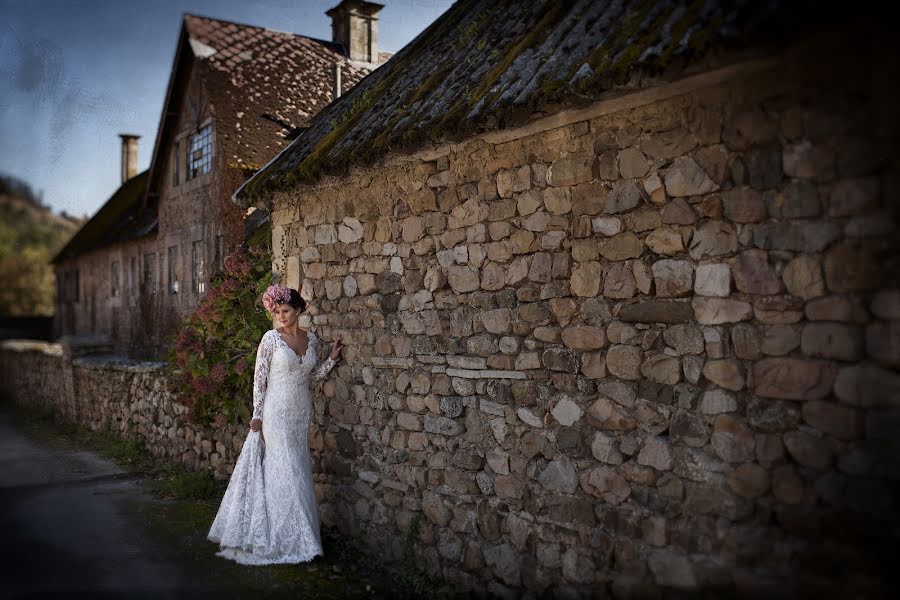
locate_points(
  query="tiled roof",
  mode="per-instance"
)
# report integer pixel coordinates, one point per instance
(120, 219)
(488, 64)
(250, 72)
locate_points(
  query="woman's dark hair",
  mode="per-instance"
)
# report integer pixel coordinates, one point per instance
(296, 300)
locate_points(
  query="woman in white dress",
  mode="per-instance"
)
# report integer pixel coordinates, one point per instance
(268, 514)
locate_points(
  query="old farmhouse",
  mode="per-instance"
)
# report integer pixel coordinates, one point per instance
(619, 281)
(237, 95)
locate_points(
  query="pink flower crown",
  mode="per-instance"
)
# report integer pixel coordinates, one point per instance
(274, 295)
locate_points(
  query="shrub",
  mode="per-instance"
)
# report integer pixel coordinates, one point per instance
(215, 351)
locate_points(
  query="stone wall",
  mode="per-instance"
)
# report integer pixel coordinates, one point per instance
(126, 397)
(652, 343)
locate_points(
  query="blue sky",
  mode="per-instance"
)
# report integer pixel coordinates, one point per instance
(76, 73)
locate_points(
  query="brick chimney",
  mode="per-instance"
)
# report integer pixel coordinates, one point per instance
(129, 155)
(354, 25)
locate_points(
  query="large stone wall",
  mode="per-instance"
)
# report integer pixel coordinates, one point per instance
(127, 397)
(651, 343)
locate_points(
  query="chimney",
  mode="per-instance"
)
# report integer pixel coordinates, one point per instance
(354, 25)
(337, 80)
(129, 155)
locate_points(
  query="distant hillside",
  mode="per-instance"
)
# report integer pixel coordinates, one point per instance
(30, 234)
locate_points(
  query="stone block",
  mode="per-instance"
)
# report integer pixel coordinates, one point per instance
(686, 178)
(867, 385)
(666, 241)
(678, 212)
(625, 195)
(673, 278)
(803, 277)
(798, 200)
(572, 171)
(805, 160)
(725, 373)
(583, 337)
(744, 205)
(753, 274)
(657, 312)
(713, 279)
(655, 453)
(809, 451)
(883, 343)
(794, 236)
(716, 402)
(621, 247)
(749, 481)
(586, 279)
(662, 368)
(713, 238)
(632, 163)
(715, 311)
(779, 340)
(833, 419)
(684, 339)
(793, 379)
(850, 197)
(619, 281)
(837, 341)
(566, 411)
(624, 362)
(851, 267)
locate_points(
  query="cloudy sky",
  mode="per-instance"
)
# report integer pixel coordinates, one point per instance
(76, 73)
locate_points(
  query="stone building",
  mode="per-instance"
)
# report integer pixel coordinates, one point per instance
(619, 284)
(237, 94)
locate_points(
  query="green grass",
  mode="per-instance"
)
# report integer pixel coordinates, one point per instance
(179, 483)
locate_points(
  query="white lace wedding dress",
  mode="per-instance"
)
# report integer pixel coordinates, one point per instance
(268, 514)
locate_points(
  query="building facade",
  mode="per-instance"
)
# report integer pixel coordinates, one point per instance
(236, 96)
(622, 319)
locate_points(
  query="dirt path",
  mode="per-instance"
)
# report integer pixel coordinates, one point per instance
(75, 523)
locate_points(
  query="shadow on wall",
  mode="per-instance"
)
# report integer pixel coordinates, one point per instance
(26, 328)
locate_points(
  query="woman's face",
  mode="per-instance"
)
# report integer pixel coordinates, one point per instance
(286, 315)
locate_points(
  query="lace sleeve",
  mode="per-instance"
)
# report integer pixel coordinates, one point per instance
(261, 374)
(324, 368)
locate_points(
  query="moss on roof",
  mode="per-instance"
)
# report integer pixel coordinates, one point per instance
(121, 218)
(488, 64)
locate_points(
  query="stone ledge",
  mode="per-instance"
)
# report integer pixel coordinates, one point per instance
(118, 363)
(31, 346)
(487, 374)
(392, 363)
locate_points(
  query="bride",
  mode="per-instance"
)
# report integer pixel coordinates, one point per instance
(268, 514)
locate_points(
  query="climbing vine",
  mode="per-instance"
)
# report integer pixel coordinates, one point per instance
(215, 351)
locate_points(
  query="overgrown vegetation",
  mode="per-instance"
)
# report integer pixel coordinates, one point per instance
(182, 484)
(30, 235)
(412, 577)
(215, 352)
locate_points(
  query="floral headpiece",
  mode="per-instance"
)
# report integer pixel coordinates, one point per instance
(274, 295)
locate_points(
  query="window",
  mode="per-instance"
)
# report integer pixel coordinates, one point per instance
(176, 161)
(132, 278)
(197, 267)
(173, 276)
(77, 290)
(199, 152)
(219, 252)
(114, 279)
(150, 273)
(65, 292)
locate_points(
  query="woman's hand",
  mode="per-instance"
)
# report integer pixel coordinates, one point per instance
(336, 347)
(255, 424)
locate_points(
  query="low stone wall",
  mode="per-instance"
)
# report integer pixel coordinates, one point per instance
(127, 397)
(652, 347)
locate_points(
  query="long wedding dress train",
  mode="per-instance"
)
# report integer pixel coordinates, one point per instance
(269, 514)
